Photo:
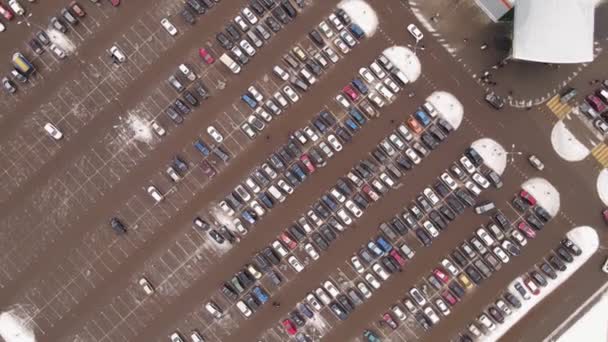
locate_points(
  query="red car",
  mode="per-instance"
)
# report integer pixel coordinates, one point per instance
(370, 192)
(388, 319)
(6, 13)
(414, 125)
(289, 327)
(398, 258)
(605, 215)
(596, 103)
(306, 160)
(527, 197)
(439, 273)
(449, 297)
(206, 56)
(288, 241)
(531, 286)
(525, 228)
(350, 92)
(115, 3)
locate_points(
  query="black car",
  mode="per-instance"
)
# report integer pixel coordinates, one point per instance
(424, 322)
(229, 292)
(245, 279)
(354, 296)
(314, 67)
(572, 247)
(338, 310)
(538, 278)
(262, 263)
(257, 7)
(201, 90)
(182, 107)
(268, 3)
(398, 226)
(279, 13)
(346, 303)
(564, 254)
(456, 289)
(252, 302)
(509, 297)
(474, 156)
(502, 221)
(465, 197)
(321, 210)
(534, 222)
(187, 16)
(227, 234)
(404, 163)
(474, 274)
(305, 310)
(271, 256)
(447, 212)
(519, 204)
(233, 32)
(429, 140)
(36, 46)
(360, 201)
(315, 36)
(441, 189)
(275, 278)
(423, 236)
(445, 125)
(438, 220)
(43, 38)
(117, 226)
(494, 178)
(458, 258)
(297, 318)
(174, 115)
(196, 6)
(496, 314)
(548, 270)
(557, 263)
(437, 133)
(542, 213)
(390, 265)
(190, 98)
(365, 255)
(289, 9)
(320, 241)
(296, 232)
(455, 204)
(328, 233)
(224, 41)
(344, 187)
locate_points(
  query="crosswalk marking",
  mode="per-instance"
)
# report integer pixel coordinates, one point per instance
(558, 108)
(600, 153)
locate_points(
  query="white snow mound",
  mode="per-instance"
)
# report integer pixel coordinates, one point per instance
(566, 145)
(546, 194)
(61, 40)
(15, 326)
(602, 186)
(587, 239)
(593, 326)
(405, 60)
(140, 128)
(448, 106)
(493, 154)
(362, 14)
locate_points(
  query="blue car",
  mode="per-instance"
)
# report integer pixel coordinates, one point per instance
(297, 171)
(423, 118)
(266, 200)
(351, 125)
(202, 148)
(260, 294)
(357, 115)
(360, 85)
(249, 101)
(357, 31)
(385, 245)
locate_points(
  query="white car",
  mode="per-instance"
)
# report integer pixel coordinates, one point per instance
(269, 171)
(213, 132)
(156, 195)
(417, 296)
(442, 306)
(472, 187)
(251, 18)
(53, 131)
(304, 224)
(213, 309)
(173, 174)
(431, 196)
(158, 129)
(249, 50)
(341, 45)
(243, 308)
(190, 75)
(145, 284)
(430, 228)
(314, 218)
(57, 51)
(241, 23)
(238, 225)
(605, 266)
(466, 163)
(413, 156)
(168, 26)
(256, 94)
(397, 142)
(376, 99)
(384, 177)
(449, 181)
(344, 217)
(249, 132)
(398, 313)
(341, 99)
(195, 336)
(405, 132)
(364, 289)
(352, 207)
(415, 32)
(430, 313)
(308, 76)
(280, 99)
(486, 322)
(331, 288)
(448, 265)
(279, 248)
(285, 187)
(322, 295)
(367, 75)
(2, 27)
(310, 133)
(519, 238)
(254, 272)
(261, 112)
(485, 237)
(118, 54)
(336, 22)
(335, 144)
(380, 271)
(500, 253)
(176, 337)
(337, 195)
(481, 180)
(326, 149)
(348, 38)
(474, 330)
(357, 265)
(311, 251)
(280, 73)
(377, 70)
(225, 208)
(372, 281)
(312, 301)
(504, 307)
(16, 7)
(291, 94)
(295, 263)
(253, 186)
(391, 85)
(326, 30)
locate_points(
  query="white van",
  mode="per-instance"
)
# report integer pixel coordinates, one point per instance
(230, 63)
(276, 193)
(383, 90)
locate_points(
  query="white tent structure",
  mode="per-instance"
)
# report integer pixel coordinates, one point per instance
(554, 31)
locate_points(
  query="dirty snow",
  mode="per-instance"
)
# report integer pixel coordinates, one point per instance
(448, 106)
(493, 154)
(16, 325)
(587, 239)
(405, 60)
(593, 326)
(602, 186)
(61, 40)
(134, 127)
(319, 323)
(566, 145)
(546, 194)
(362, 14)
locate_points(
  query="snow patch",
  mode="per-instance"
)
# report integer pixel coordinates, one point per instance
(319, 323)
(448, 106)
(493, 154)
(566, 145)
(61, 40)
(134, 127)
(546, 194)
(587, 239)
(362, 14)
(602, 186)
(405, 60)
(16, 325)
(593, 326)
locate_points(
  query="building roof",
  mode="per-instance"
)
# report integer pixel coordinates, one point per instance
(495, 9)
(554, 31)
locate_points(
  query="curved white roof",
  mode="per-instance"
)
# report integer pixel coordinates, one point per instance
(554, 31)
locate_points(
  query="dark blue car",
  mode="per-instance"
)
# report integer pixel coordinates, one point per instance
(202, 148)
(357, 115)
(360, 85)
(383, 244)
(260, 294)
(357, 31)
(423, 118)
(249, 101)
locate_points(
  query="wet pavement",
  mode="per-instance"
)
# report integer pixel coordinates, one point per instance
(79, 280)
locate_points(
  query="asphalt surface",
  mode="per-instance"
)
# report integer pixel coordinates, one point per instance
(79, 280)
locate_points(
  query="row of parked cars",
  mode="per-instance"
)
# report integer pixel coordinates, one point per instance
(595, 106)
(523, 289)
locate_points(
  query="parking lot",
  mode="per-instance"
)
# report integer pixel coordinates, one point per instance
(260, 159)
